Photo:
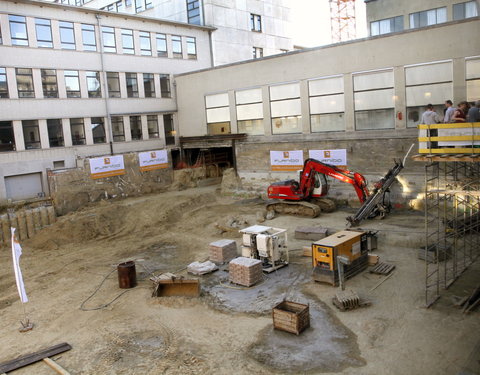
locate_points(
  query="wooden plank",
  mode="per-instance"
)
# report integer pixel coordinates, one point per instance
(28, 359)
(59, 369)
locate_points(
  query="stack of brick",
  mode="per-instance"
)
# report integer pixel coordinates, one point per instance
(223, 251)
(245, 271)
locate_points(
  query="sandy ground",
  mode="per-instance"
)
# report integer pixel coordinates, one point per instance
(225, 331)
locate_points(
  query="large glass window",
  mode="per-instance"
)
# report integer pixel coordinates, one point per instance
(255, 22)
(132, 85)
(149, 85)
(49, 83)
(136, 128)
(193, 12)
(113, 83)
(386, 26)
(25, 83)
(55, 132)
(472, 76)
(31, 134)
(286, 108)
(127, 42)
(250, 111)
(118, 129)
(161, 45)
(67, 35)
(77, 129)
(88, 38)
(44, 33)
(98, 129)
(465, 10)
(257, 52)
(72, 83)
(7, 138)
(169, 130)
(165, 86)
(327, 104)
(93, 85)
(191, 47)
(145, 45)
(177, 46)
(3, 83)
(428, 17)
(108, 37)
(152, 122)
(218, 113)
(18, 30)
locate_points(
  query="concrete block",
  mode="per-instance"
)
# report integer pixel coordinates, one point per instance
(310, 233)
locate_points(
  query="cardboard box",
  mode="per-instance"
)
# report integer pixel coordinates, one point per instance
(373, 259)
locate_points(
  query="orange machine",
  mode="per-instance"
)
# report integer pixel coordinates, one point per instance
(349, 247)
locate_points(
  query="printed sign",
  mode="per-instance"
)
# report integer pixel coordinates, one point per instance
(107, 166)
(332, 157)
(286, 160)
(153, 160)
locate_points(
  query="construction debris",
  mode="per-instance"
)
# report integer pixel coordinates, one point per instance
(198, 268)
(349, 300)
(291, 317)
(383, 268)
(310, 233)
(307, 251)
(245, 271)
(473, 301)
(373, 259)
(223, 251)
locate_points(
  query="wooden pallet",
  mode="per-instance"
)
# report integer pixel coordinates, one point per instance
(383, 268)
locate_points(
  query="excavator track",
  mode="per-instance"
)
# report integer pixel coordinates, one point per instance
(297, 208)
(325, 204)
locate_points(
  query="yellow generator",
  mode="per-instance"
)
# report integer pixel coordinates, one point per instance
(345, 251)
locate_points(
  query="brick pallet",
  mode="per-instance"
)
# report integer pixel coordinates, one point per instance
(245, 271)
(223, 251)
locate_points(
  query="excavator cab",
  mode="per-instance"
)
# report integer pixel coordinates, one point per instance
(320, 185)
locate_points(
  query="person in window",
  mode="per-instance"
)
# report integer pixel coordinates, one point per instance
(460, 114)
(474, 112)
(430, 117)
(449, 109)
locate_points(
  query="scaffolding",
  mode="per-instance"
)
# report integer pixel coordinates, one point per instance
(452, 220)
(342, 19)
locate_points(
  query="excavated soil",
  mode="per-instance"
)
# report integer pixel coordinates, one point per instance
(226, 330)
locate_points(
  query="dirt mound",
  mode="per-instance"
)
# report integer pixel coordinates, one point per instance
(187, 178)
(230, 181)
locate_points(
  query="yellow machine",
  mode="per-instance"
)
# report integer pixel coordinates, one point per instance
(345, 252)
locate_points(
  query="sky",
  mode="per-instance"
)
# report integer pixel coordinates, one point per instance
(311, 22)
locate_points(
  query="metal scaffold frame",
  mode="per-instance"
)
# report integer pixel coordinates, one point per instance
(452, 223)
(342, 19)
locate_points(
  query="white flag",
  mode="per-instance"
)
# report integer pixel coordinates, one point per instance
(16, 252)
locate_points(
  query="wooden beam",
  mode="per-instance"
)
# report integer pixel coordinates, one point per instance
(59, 369)
(28, 359)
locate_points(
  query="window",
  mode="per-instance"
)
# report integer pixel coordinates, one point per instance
(113, 83)
(191, 48)
(257, 52)
(141, 5)
(135, 128)
(93, 85)
(119, 5)
(255, 22)
(428, 17)
(31, 134)
(72, 83)
(18, 30)
(249, 108)
(3, 84)
(118, 129)
(161, 45)
(98, 129)
(25, 83)
(145, 45)
(77, 129)
(389, 25)
(49, 83)
(55, 132)
(327, 104)
(148, 4)
(472, 77)
(285, 108)
(177, 46)
(465, 10)
(148, 85)
(67, 36)
(218, 113)
(128, 4)
(152, 121)
(108, 36)
(374, 100)
(132, 85)
(7, 139)
(88, 38)
(168, 128)
(165, 86)
(193, 12)
(127, 42)
(44, 33)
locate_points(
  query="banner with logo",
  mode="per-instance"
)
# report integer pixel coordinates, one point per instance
(332, 157)
(107, 166)
(286, 160)
(153, 160)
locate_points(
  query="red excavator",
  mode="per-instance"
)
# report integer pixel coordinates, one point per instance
(306, 198)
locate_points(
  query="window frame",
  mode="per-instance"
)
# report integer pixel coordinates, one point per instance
(44, 73)
(150, 79)
(255, 22)
(161, 53)
(98, 139)
(257, 52)
(70, 74)
(128, 33)
(18, 41)
(191, 41)
(131, 80)
(4, 93)
(43, 43)
(88, 77)
(32, 144)
(169, 134)
(59, 140)
(138, 131)
(30, 75)
(109, 31)
(194, 12)
(177, 42)
(114, 121)
(85, 30)
(167, 93)
(150, 119)
(110, 76)
(80, 141)
(7, 133)
(144, 36)
(63, 25)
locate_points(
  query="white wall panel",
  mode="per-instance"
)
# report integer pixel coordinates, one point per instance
(473, 90)
(374, 99)
(428, 94)
(291, 90)
(248, 96)
(472, 68)
(218, 114)
(282, 108)
(417, 75)
(250, 111)
(327, 104)
(370, 81)
(325, 86)
(216, 100)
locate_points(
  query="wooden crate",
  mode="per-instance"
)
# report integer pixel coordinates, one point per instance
(291, 317)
